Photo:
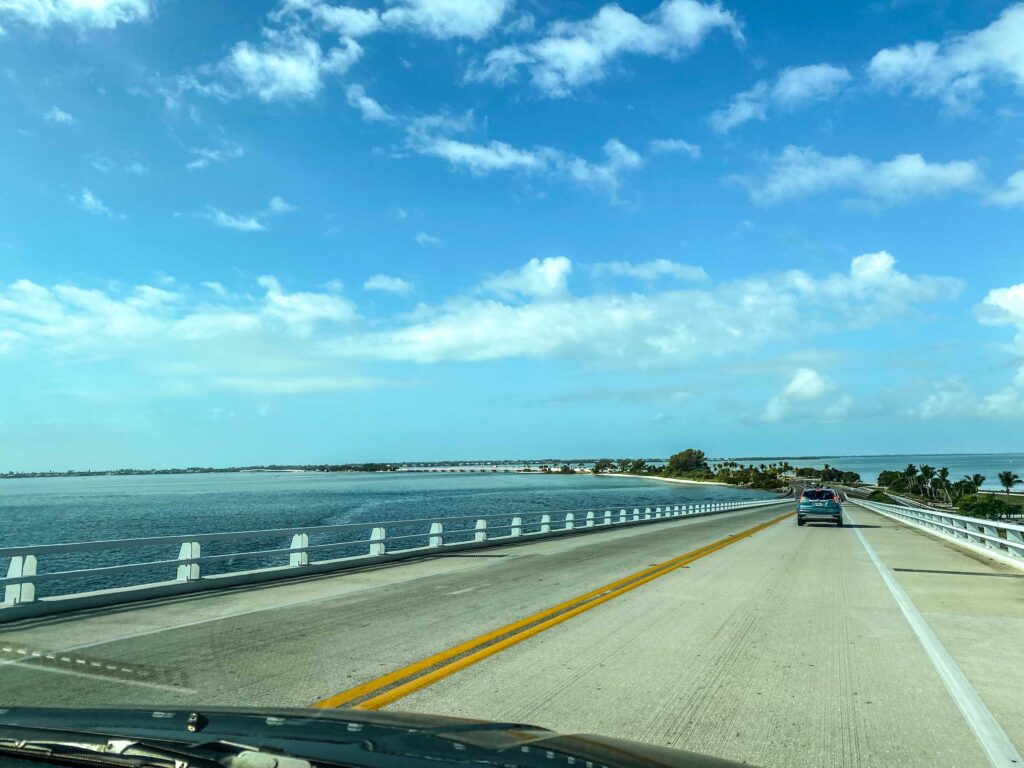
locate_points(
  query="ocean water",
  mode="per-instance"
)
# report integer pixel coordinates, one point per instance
(54, 510)
(960, 464)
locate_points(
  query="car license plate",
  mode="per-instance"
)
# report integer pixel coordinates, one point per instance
(819, 503)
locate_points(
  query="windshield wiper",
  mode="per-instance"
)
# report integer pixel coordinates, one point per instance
(90, 750)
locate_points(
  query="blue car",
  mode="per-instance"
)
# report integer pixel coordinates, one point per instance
(819, 504)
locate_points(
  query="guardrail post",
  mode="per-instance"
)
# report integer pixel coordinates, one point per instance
(657, 513)
(299, 541)
(377, 544)
(189, 551)
(636, 514)
(647, 513)
(545, 523)
(436, 535)
(622, 515)
(607, 517)
(517, 526)
(1015, 537)
(570, 521)
(590, 519)
(480, 531)
(25, 592)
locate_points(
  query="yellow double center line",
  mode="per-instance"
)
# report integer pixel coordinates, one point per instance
(388, 688)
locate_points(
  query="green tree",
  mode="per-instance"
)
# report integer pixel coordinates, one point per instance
(690, 460)
(984, 505)
(927, 473)
(1009, 479)
(603, 465)
(976, 480)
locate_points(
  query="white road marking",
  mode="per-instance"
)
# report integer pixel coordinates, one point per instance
(993, 739)
(461, 591)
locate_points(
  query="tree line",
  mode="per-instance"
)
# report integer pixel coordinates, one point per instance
(934, 484)
(693, 464)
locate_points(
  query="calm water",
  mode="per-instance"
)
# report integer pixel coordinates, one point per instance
(988, 464)
(52, 510)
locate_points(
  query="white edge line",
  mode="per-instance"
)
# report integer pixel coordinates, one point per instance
(998, 748)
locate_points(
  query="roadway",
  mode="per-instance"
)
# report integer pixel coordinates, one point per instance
(758, 642)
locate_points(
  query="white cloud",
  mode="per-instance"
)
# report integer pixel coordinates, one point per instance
(1011, 195)
(794, 87)
(808, 395)
(576, 53)
(57, 115)
(88, 202)
(194, 339)
(954, 70)
(874, 280)
(422, 238)
(136, 168)
(538, 278)
(447, 18)
(293, 386)
(800, 171)
(651, 270)
(388, 284)
(303, 311)
(279, 205)
(216, 287)
(249, 222)
(287, 67)
(82, 13)
(369, 108)
(239, 223)
(205, 156)
(799, 85)
(102, 164)
(431, 135)
(675, 146)
(948, 398)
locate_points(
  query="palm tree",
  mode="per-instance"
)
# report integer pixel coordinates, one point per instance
(943, 474)
(976, 480)
(927, 473)
(1009, 479)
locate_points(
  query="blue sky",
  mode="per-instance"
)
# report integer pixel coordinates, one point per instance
(302, 231)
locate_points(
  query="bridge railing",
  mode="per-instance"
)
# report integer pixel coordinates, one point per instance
(96, 573)
(1006, 540)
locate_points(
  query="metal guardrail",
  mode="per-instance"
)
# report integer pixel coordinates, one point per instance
(372, 542)
(1005, 540)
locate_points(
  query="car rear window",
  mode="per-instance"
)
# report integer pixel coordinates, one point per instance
(819, 495)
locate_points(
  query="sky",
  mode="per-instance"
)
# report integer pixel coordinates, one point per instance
(300, 231)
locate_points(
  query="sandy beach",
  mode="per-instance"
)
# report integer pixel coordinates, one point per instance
(669, 479)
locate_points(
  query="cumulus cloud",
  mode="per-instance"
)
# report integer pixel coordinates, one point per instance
(954, 70)
(57, 115)
(81, 13)
(289, 69)
(1011, 194)
(1005, 307)
(388, 284)
(538, 278)
(794, 87)
(445, 18)
(369, 108)
(800, 171)
(275, 340)
(651, 270)
(576, 53)
(536, 316)
(808, 394)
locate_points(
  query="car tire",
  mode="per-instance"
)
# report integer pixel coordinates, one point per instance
(839, 523)
(799, 521)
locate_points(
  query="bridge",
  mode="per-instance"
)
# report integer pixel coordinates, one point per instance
(894, 640)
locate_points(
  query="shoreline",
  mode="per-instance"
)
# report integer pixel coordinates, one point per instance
(675, 480)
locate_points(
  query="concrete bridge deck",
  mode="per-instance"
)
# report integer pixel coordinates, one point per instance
(753, 640)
